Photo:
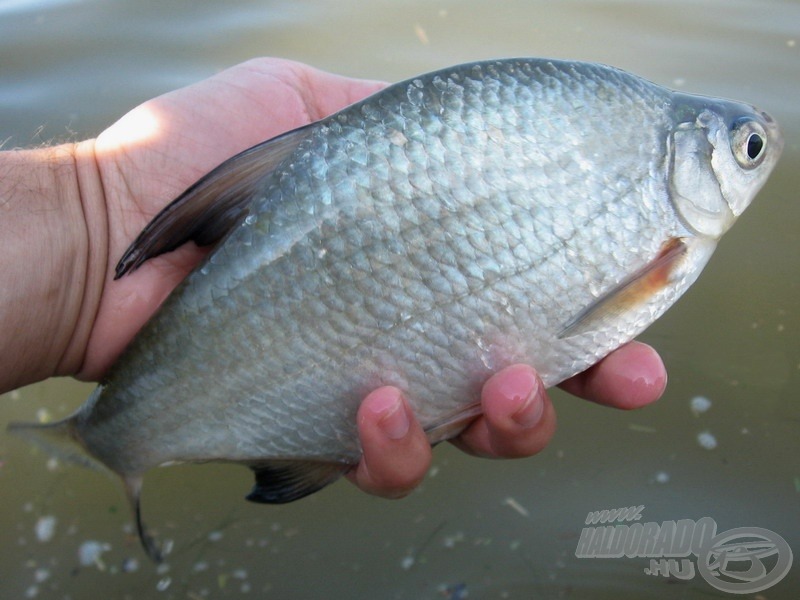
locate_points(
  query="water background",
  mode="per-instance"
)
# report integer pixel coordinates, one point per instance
(476, 528)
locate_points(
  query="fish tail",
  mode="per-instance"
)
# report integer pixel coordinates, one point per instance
(59, 439)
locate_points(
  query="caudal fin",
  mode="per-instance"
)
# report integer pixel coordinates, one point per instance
(58, 439)
(61, 440)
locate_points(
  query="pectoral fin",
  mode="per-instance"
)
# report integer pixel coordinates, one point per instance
(631, 292)
(213, 205)
(282, 481)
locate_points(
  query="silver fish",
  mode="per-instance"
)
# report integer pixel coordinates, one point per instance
(524, 210)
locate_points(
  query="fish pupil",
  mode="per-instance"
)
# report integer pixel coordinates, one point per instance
(755, 144)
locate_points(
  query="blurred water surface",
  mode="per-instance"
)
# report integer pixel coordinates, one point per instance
(475, 528)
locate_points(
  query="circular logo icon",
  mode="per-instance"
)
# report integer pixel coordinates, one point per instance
(744, 560)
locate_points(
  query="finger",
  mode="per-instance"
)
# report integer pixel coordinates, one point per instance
(518, 418)
(630, 377)
(396, 452)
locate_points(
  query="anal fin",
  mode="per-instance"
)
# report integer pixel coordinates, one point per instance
(453, 424)
(630, 292)
(282, 481)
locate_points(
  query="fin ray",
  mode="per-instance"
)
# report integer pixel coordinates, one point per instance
(632, 290)
(59, 440)
(282, 481)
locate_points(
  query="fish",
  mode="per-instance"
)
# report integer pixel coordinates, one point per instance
(516, 210)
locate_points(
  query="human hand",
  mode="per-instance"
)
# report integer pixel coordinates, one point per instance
(518, 418)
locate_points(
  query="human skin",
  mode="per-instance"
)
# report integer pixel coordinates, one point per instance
(68, 212)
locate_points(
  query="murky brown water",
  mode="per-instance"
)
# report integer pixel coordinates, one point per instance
(476, 528)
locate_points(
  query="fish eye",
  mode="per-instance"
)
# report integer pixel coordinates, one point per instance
(755, 144)
(748, 143)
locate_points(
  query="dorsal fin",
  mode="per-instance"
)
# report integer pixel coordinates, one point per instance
(214, 204)
(633, 290)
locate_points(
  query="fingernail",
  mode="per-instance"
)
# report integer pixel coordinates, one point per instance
(519, 385)
(530, 413)
(394, 420)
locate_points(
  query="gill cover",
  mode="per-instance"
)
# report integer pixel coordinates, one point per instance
(717, 164)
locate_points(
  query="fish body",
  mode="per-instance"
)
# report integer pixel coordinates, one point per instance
(521, 210)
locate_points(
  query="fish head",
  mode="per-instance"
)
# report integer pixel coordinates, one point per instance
(721, 152)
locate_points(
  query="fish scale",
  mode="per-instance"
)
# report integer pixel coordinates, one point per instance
(521, 210)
